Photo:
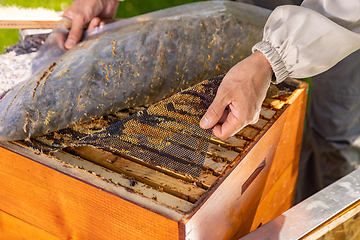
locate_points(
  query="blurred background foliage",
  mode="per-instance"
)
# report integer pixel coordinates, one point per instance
(128, 8)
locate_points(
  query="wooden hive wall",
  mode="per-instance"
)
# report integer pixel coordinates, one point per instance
(130, 199)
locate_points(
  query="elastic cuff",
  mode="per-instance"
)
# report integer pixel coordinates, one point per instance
(274, 58)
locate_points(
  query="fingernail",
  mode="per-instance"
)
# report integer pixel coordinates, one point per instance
(69, 43)
(204, 123)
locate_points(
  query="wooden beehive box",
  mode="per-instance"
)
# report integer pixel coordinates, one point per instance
(87, 193)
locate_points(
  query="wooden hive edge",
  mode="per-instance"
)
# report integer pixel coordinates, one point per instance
(300, 87)
(93, 180)
(230, 168)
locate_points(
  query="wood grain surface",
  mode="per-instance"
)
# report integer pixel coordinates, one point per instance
(247, 181)
(68, 208)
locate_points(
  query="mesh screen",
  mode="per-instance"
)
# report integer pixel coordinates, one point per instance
(166, 134)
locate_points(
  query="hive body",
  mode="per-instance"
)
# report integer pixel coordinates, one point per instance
(87, 193)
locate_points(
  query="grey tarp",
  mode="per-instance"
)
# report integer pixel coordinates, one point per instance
(138, 61)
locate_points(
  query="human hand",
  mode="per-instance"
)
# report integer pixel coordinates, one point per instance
(239, 97)
(82, 12)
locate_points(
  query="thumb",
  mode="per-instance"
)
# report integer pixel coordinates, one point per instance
(75, 33)
(214, 113)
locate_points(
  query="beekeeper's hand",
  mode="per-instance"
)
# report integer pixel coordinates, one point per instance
(239, 97)
(82, 12)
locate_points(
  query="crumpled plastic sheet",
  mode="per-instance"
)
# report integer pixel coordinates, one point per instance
(166, 134)
(137, 61)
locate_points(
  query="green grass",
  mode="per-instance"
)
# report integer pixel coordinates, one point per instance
(126, 9)
(308, 80)
(136, 7)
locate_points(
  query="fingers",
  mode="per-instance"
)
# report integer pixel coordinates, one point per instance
(79, 16)
(231, 122)
(242, 91)
(222, 114)
(75, 33)
(109, 8)
(232, 125)
(82, 12)
(229, 128)
(214, 113)
(60, 39)
(95, 22)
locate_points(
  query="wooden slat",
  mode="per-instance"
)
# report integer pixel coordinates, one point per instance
(40, 24)
(236, 142)
(130, 184)
(267, 113)
(109, 160)
(248, 132)
(217, 167)
(212, 168)
(260, 124)
(151, 177)
(208, 179)
(223, 153)
(71, 209)
(274, 103)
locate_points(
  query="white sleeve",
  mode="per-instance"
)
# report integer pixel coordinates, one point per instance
(304, 41)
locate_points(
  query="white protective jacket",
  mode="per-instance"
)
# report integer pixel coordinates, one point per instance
(303, 41)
